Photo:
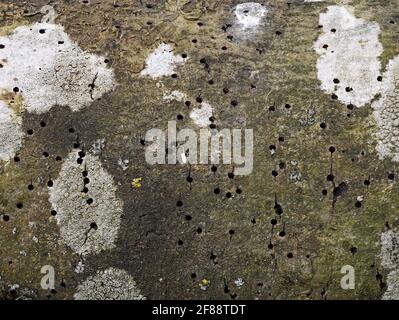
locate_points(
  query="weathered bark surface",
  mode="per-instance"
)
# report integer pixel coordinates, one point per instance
(272, 75)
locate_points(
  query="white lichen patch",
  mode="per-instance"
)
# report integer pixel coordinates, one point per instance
(109, 284)
(349, 51)
(390, 260)
(250, 14)
(88, 210)
(49, 69)
(162, 62)
(10, 132)
(201, 115)
(386, 113)
(390, 249)
(174, 95)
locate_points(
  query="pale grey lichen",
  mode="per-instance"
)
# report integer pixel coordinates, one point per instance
(162, 62)
(201, 115)
(50, 69)
(386, 110)
(392, 292)
(109, 284)
(390, 260)
(89, 219)
(390, 249)
(10, 132)
(250, 14)
(349, 51)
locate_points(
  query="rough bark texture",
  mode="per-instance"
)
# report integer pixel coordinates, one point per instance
(230, 248)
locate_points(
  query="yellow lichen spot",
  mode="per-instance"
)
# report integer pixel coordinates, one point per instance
(205, 283)
(136, 183)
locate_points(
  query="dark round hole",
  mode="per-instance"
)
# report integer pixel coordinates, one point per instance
(29, 132)
(193, 276)
(17, 159)
(225, 90)
(274, 173)
(228, 195)
(180, 242)
(214, 169)
(179, 117)
(86, 180)
(282, 234)
(84, 173)
(199, 99)
(188, 217)
(366, 182)
(179, 203)
(330, 177)
(93, 226)
(391, 176)
(174, 76)
(16, 89)
(324, 192)
(287, 106)
(85, 190)
(184, 55)
(89, 201)
(42, 124)
(6, 217)
(71, 130)
(323, 125)
(30, 187)
(273, 222)
(199, 230)
(231, 175)
(234, 103)
(358, 204)
(290, 255)
(231, 232)
(45, 154)
(42, 31)
(20, 205)
(187, 103)
(238, 191)
(53, 212)
(331, 149)
(216, 191)
(189, 179)
(50, 183)
(379, 78)
(81, 154)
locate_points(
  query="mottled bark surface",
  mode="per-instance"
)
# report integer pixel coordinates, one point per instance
(170, 250)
